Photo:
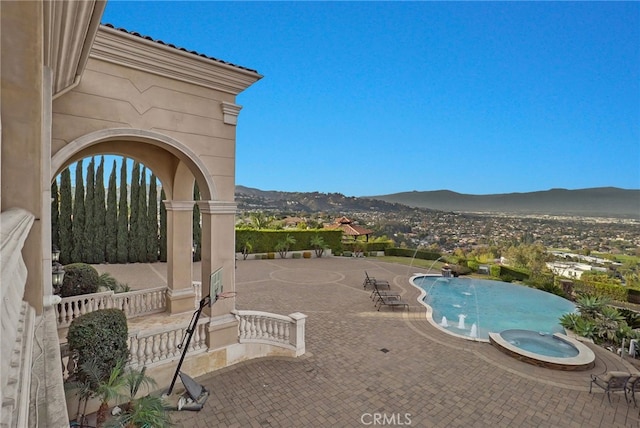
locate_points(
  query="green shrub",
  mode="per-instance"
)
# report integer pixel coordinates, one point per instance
(265, 240)
(407, 252)
(100, 336)
(79, 278)
(494, 270)
(473, 265)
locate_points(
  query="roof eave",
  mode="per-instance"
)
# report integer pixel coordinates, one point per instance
(133, 51)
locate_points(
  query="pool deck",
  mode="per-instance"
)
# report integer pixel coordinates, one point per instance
(365, 367)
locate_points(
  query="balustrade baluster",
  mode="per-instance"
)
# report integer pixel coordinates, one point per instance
(172, 345)
(163, 345)
(148, 352)
(156, 347)
(133, 350)
(271, 326)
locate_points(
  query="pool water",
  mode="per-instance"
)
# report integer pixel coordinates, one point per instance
(539, 343)
(474, 307)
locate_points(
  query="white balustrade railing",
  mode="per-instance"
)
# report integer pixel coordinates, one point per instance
(148, 347)
(133, 303)
(158, 345)
(69, 361)
(272, 329)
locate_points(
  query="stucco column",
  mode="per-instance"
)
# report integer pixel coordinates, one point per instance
(24, 116)
(180, 297)
(218, 251)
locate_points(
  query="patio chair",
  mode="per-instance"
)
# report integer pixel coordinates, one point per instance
(375, 292)
(370, 280)
(392, 301)
(632, 385)
(611, 382)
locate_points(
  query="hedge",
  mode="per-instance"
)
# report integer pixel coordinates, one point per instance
(264, 240)
(100, 336)
(406, 252)
(613, 291)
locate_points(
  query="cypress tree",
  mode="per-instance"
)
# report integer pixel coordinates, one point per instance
(111, 219)
(100, 212)
(197, 229)
(55, 214)
(163, 227)
(152, 221)
(78, 217)
(88, 249)
(123, 217)
(142, 218)
(133, 215)
(66, 226)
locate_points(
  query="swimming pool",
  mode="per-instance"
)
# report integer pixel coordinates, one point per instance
(473, 308)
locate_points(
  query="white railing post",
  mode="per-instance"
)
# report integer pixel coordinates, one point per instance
(132, 303)
(297, 337)
(272, 329)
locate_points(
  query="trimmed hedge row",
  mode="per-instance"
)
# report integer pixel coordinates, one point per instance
(366, 246)
(406, 252)
(615, 292)
(264, 241)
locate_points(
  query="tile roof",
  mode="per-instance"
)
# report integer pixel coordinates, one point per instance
(133, 33)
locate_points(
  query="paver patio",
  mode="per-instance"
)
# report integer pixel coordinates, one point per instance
(386, 368)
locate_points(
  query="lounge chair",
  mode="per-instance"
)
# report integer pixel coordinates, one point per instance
(611, 382)
(392, 301)
(632, 385)
(375, 292)
(369, 280)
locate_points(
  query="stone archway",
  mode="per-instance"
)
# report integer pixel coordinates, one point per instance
(177, 167)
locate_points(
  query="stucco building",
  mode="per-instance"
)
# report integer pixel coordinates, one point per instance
(73, 88)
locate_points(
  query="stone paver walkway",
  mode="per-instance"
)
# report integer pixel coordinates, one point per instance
(386, 368)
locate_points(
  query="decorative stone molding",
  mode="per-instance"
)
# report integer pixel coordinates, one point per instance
(132, 51)
(217, 207)
(166, 142)
(69, 30)
(230, 113)
(179, 205)
(17, 319)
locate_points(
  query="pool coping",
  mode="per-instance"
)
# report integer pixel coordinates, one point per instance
(583, 361)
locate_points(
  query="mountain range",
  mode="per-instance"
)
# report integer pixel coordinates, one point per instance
(592, 202)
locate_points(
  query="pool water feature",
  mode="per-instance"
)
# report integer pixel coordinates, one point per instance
(556, 351)
(484, 306)
(540, 343)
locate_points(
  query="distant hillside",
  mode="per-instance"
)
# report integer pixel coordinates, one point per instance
(311, 202)
(595, 202)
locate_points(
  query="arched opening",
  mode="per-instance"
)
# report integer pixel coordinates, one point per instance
(177, 167)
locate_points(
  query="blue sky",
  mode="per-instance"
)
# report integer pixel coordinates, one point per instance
(371, 98)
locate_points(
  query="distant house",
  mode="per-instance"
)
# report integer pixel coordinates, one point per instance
(349, 229)
(292, 222)
(483, 269)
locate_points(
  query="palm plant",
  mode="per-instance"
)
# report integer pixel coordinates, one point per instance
(318, 245)
(283, 246)
(104, 389)
(145, 412)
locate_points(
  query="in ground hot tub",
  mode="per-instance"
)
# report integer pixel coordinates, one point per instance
(554, 351)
